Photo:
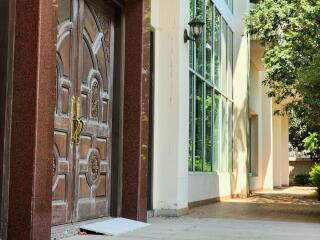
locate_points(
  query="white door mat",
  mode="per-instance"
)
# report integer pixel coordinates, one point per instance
(114, 227)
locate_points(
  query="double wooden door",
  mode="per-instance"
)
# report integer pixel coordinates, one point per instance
(83, 114)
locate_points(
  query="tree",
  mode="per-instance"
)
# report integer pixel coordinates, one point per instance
(312, 145)
(290, 32)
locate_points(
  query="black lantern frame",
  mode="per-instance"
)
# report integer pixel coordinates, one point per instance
(196, 29)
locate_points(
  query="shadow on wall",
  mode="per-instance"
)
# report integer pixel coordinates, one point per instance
(239, 177)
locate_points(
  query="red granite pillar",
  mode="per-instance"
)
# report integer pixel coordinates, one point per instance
(29, 213)
(136, 109)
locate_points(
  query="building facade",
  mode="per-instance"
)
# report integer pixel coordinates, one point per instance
(215, 135)
(106, 111)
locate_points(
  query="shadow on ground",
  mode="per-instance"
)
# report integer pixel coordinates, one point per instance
(294, 204)
(288, 213)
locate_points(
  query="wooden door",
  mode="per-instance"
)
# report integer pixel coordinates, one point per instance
(82, 154)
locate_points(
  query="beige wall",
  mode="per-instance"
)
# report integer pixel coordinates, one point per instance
(281, 149)
(174, 186)
(171, 106)
(273, 136)
(261, 109)
(299, 166)
(240, 182)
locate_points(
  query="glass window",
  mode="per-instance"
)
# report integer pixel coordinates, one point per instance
(217, 47)
(199, 133)
(200, 42)
(230, 63)
(224, 57)
(217, 131)
(191, 119)
(254, 142)
(209, 129)
(209, 41)
(230, 4)
(224, 137)
(210, 100)
(230, 135)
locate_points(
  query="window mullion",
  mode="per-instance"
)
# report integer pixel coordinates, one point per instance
(193, 122)
(212, 128)
(203, 124)
(204, 70)
(220, 134)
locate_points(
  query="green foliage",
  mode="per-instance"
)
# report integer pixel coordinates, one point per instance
(289, 29)
(302, 180)
(312, 145)
(315, 177)
(290, 32)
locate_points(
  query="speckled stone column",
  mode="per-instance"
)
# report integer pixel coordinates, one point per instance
(29, 214)
(136, 109)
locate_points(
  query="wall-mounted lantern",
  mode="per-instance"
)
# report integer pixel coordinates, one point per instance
(196, 28)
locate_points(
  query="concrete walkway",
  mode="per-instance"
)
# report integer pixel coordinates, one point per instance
(291, 213)
(294, 204)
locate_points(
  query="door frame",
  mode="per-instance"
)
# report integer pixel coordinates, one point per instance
(151, 123)
(117, 112)
(7, 16)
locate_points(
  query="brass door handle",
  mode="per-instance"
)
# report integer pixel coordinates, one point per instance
(77, 124)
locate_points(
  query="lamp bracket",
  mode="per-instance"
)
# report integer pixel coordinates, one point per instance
(187, 37)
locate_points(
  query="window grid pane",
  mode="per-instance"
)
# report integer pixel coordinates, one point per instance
(199, 134)
(209, 41)
(191, 125)
(217, 132)
(230, 4)
(224, 40)
(209, 129)
(191, 47)
(217, 47)
(230, 136)
(200, 42)
(230, 63)
(224, 137)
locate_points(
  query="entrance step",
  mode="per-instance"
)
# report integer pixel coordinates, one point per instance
(69, 230)
(114, 227)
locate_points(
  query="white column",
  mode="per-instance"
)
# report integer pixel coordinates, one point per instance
(267, 135)
(277, 142)
(241, 112)
(285, 151)
(171, 117)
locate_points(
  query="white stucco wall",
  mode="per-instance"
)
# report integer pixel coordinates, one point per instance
(280, 145)
(174, 187)
(261, 105)
(255, 99)
(240, 180)
(171, 105)
(203, 186)
(285, 151)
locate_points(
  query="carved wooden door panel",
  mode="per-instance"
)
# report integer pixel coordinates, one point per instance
(93, 173)
(82, 154)
(63, 152)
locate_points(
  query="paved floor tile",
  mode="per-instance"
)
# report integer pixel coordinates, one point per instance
(284, 214)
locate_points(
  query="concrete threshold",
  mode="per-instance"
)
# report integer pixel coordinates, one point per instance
(72, 229)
